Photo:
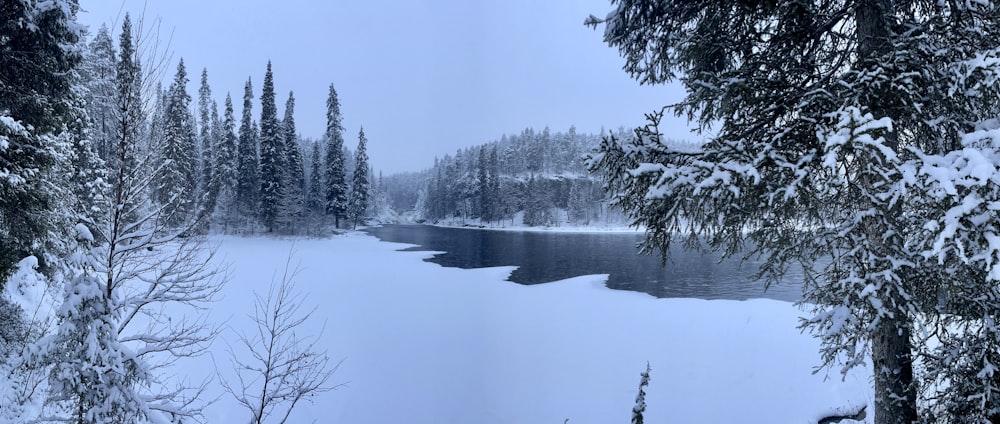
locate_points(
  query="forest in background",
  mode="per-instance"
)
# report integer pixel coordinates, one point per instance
(534, 178)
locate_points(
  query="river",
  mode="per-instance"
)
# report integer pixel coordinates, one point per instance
(545, 256)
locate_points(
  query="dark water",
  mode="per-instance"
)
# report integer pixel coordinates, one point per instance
(549, 256)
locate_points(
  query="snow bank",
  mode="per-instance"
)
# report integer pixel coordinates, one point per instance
(427, 344)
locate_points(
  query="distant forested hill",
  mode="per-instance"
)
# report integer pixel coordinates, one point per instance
(535, 178)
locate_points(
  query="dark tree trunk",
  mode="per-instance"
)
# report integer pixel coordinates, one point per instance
(892, 361)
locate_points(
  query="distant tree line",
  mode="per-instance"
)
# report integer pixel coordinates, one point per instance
(535, 178)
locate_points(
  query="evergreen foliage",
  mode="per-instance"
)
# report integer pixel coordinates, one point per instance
(205, 142)
(495, 187)
(361, 188)
(640, 398)
(248, 176)
(36, 101)
(226, 177)
(336, 183)
(272, 147)
(177, 183)
(314, 199)
(98, 71)
(292, 201)
(847, 131)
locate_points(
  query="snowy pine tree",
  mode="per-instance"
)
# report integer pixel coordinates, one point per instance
(849, 131)
(272, 146)
(360, 191)
(98, 71)
(176, 185)
(315, 203)
(247, 160)
(37, 54)
(314, 199)
(225, 175)
(204, 148)
(336, 183)
(290, 207)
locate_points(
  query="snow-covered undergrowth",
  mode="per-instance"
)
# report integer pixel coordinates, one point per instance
(427, 344)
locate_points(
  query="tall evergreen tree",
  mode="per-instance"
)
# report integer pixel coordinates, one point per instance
(272, 146)
(847, 131)
(226, 177)
(361, 184)
(85, 343)
(293, 154)
(314, 199)
(292, 199)
(215, 138)
(494, 186)
(37, 56)
(99, 69)
(176, 184)
(204, 148)
(483, 183)
(247, 173)
(336, 183)
(293, 184)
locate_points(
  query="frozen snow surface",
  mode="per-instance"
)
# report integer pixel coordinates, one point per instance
(426, 344)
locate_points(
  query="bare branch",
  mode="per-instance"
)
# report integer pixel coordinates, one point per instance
(281, 368)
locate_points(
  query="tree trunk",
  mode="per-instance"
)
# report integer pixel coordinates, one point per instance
(892, 361)
(892, 364)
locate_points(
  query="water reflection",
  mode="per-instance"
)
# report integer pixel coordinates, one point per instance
(548, 256)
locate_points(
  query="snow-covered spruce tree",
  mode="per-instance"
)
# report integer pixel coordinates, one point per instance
(483, 184)
(640, 398)
(290, 206)
(128, 281)
(336, 178)
(98, 72)
(293, 153)
(494, 186)
(247, 160)
(210, 197)
(205, 145)
(859, 132)
(37, 55)
(93, 377)
(272, 146)
(360, 189)
(176, 185)
(314, 198)
(224, 177)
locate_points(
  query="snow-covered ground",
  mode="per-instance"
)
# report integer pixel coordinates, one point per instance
(427, 344)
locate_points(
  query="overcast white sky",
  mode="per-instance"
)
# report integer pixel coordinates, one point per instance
(423, 77)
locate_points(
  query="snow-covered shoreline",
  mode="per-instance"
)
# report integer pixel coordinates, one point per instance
(426, 344)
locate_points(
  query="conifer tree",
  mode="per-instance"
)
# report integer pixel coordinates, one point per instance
(204, 148)
(336, 184)
(360, 189)
(247, 174)
(494, 186)
(215, 138)
(314, 199)
(293, 154)
(225, 173)
(98, 71)
(272, 146)
(846, 137)
(293, 185)
(37, 56)
(177, 183)
(483, 181)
